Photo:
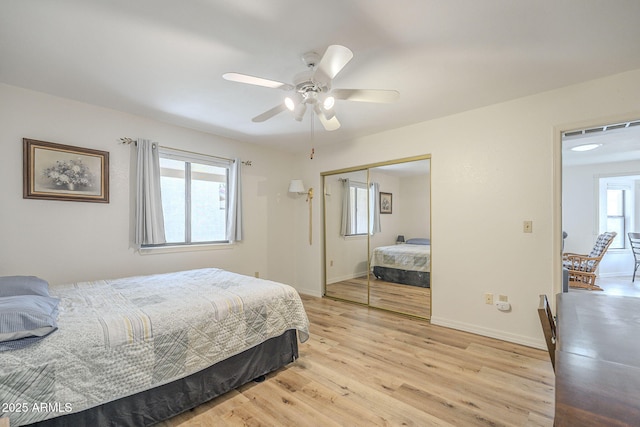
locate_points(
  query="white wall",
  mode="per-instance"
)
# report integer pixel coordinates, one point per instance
(491, 169)
(414, 213)
(72, 241)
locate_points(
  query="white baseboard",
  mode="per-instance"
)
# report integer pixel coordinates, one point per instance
(492, 333)
(346, 277)
(310, 292)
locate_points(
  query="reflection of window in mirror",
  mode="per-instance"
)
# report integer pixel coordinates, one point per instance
(358, 208)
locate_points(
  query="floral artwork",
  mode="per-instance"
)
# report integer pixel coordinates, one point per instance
(72, 174)
(386, 206)
(63, 172)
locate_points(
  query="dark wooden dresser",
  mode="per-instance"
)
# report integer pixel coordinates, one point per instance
(597, 360)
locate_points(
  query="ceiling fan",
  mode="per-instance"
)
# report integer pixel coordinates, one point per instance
(313, 88)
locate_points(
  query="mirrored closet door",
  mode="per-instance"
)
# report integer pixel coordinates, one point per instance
(378, 235)
(346, 232)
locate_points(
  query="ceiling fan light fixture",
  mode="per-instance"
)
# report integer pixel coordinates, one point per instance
(313, 88)
(327, 114)
(289, 103)
(329, 102)
(298, 112)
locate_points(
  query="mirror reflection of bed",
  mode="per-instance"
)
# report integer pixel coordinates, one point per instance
(366, 264)
(400, 279)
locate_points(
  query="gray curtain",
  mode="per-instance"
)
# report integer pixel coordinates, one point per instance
(234, 222)
(345, 225)
(149, 225)
(374, 208)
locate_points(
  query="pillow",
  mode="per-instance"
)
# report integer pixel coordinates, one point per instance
(23, 285)
(418, 241)
(25, 319)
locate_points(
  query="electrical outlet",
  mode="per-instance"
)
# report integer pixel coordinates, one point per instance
(503, 306)
(527, 227)
(488, 298)
(503, 298)
(257, 274)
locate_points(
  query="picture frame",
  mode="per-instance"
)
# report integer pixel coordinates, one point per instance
(64, 172)
(386, 203)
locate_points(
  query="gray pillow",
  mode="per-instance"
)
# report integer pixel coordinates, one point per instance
(25, 319)
(418, 241)
(23, 285)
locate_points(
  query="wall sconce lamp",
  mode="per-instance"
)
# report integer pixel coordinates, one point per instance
(296, 186)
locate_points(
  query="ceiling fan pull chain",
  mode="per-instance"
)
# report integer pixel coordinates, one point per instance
(312, 149)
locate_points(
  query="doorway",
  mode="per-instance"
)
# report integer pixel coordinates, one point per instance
(601, 192)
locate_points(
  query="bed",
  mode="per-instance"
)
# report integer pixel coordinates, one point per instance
(408, 263)
(139, 350)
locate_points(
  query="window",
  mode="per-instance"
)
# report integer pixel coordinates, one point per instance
(194, 197)
(616, 212)
(616, 216)
(358, 206)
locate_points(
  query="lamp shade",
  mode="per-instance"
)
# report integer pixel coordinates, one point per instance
(400, 239)
(296, 186)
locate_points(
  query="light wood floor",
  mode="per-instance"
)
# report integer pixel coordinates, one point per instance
(396, 297)
(368, 367)
(619, 285)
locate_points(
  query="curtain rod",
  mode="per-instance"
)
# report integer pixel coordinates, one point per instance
(131, 140)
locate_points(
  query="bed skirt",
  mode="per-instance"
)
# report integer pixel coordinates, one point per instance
(405, 277)
(163, 402)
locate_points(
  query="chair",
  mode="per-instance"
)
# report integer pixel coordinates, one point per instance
(548, 327)
(582, 268)
(634, 240)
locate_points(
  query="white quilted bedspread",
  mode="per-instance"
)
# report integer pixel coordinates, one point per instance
(403, 257)
(119, 337)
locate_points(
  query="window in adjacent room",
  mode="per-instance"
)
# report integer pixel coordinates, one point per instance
(616, 212)
(194, 197)
(616, 215)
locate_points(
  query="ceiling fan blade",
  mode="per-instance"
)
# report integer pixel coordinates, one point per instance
(258, 81)
(333, 60)
(269, 113)
(328, 124)
(366, 95)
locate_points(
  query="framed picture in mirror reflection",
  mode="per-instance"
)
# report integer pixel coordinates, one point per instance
(386, 203)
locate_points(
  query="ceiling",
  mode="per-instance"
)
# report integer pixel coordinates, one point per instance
(614, 142)
(164, 59)
(407, 169)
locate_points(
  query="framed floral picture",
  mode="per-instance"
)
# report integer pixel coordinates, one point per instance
(386, 203)
(64, 172)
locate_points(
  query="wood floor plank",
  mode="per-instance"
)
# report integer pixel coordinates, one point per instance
(328, 401)
(277, 406)
(413, 300)
(360, 392)
(462, 413)
(367, 367)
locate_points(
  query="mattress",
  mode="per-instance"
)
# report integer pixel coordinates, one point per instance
(119, 337)
(403, 257)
